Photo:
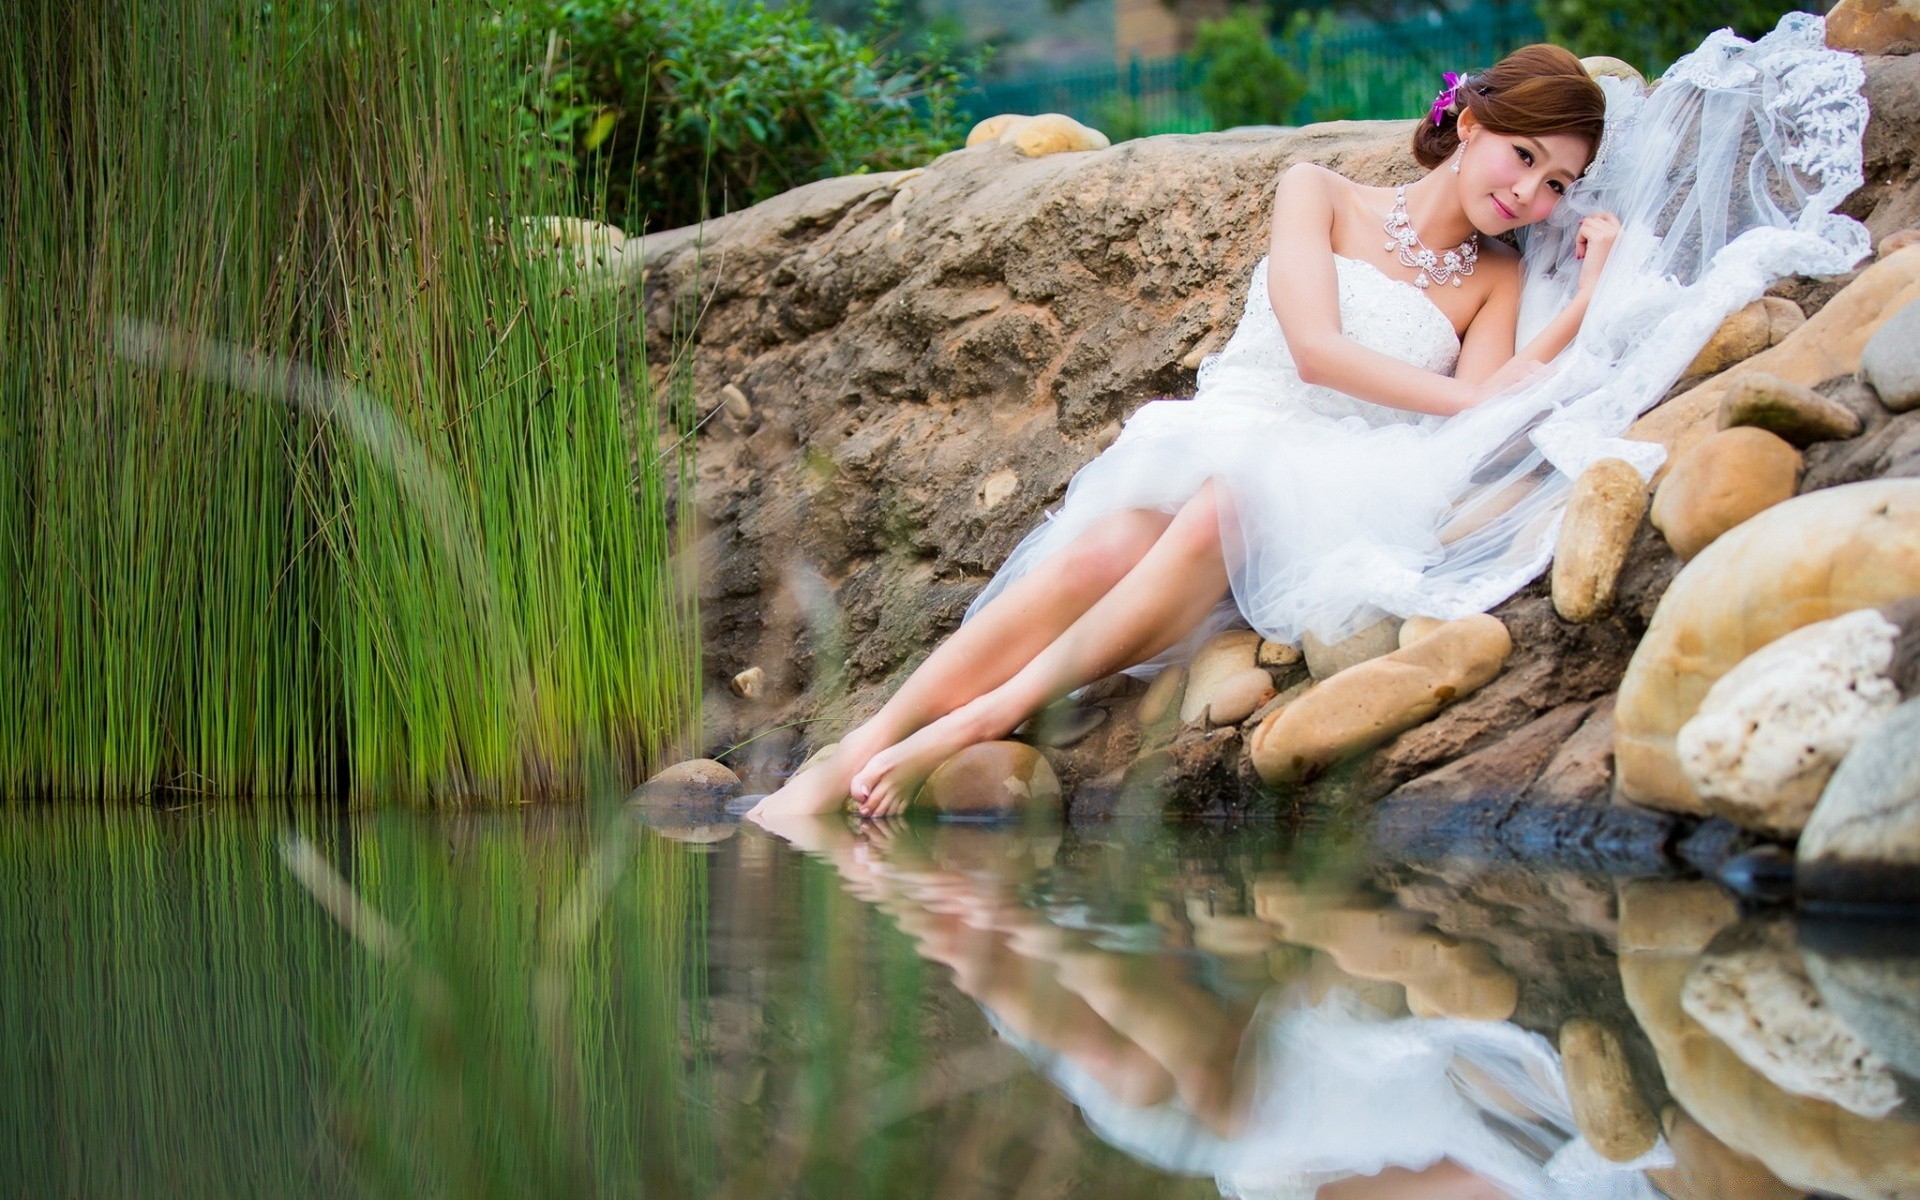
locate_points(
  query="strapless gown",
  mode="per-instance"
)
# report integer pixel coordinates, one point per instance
(1321, 490)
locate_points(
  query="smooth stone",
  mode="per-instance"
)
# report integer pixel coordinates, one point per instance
(1783, 317)
(734, 401)
(749, 683)
(995, 488)
(1719, 483)
(1162, 698)
(1276, 655)
(1751, 990)
(992, 779)
(1238, 696)
(988, 132)
(1365, 705)
(1891, 361)
(1602, 515)
(1828, 344)
(1862, 843)
(1875, 26)
(1414, 628)
(1790, 411)
(694, 781)
(1608, 1109)
(1895, 242)
(1740, 337)
(1051, 133)
(1325, 659)
(1063, 725)
(1599, 65)
(1811, 558)
(1769, 732)
(1219, 659)
(1671, 917)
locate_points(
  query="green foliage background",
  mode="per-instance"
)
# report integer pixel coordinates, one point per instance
(1243, 79)
(1650, 34)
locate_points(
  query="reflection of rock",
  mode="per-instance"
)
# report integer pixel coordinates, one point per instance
(1365, 705)
(1602, 516)
(1869, 972)
(1608, 1108)
(1862, 843)
(1658, 917)
(1811, 1144)
(1724, 480)
(1816, 556)
(1751, 991)
(1771, 730)
(992, 779)
(1706, 1168)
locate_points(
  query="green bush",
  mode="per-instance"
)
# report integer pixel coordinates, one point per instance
(1243, 79)
(691, 108)
(1651, 35)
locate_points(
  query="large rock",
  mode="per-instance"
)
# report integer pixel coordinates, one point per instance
(1706, 1168)
(697, 781)
(1829, 344)
(1875, 26)
(1602, 516)
(1238, 696)
(1790, 411)
(1868, 970)
(1723, 480)
(1751, 990)
(1740, 337)
(993, 779)
(1330, 658)
(1770, 731)
(1811, 558)
(1862, 843)
(1891, 361)
(1363, 706)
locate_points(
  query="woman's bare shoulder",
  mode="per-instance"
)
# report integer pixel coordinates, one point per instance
(1501, 262)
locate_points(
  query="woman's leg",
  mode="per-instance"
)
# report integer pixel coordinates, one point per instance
(1166, 595)
(983, 653)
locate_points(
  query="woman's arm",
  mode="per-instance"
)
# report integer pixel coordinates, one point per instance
(1306, 301)
(1487, 356)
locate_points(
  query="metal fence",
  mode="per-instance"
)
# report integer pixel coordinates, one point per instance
(1351, 69)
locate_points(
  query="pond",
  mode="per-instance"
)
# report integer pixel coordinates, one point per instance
(570, 1002)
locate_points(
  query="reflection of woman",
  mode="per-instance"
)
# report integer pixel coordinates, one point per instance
(1366, 445)
(1289, 1099)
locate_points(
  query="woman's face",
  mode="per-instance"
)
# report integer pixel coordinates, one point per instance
(1508, 180)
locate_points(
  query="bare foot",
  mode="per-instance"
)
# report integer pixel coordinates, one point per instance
(823, 787)
(891, 778)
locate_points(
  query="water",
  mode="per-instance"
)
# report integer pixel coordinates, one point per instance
(278, 1003)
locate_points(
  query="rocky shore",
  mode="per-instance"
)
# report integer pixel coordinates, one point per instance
(899, 373)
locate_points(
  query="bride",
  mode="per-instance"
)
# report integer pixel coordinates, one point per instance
(1397, 419)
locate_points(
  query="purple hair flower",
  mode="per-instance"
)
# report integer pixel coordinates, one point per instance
(1444, 100)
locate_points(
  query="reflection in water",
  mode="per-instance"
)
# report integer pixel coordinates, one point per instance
(568, 1008)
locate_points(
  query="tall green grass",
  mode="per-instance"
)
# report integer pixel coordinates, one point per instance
(315, 472)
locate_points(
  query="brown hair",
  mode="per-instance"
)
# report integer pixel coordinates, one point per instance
(1535, 91)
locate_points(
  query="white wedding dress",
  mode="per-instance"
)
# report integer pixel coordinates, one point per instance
(1337, 511)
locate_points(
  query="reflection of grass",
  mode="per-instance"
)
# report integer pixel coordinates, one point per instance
(313, 470)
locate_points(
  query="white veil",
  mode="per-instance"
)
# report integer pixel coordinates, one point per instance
(1725, 177)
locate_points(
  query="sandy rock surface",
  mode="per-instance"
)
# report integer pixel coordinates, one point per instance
(1722, 480)
(1602, 516)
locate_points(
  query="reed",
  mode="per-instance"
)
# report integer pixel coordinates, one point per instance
(315, 470)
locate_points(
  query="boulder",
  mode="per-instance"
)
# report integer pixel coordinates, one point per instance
(1220, 658)
(1862, 843)
(1751, 990)
(1331, 658)
(1828, 344)
(1163, 696)
(1414, 628)
(987, 132)
(1608, 1108)
(1790, 411)
(1601, 518)
(992, 779)
(1050, 133)
(1720, 482)
(1769, 732)
(1811, 558)
(1891, 361)
(1238, 696)
(1364, 705)
(699, 781)
(1740, 337)
(1875, 26)
(1706, 1168)
(1897, 241)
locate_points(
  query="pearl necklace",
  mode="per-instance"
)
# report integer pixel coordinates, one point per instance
(1433, 268)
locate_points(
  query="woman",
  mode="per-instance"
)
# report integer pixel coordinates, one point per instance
(1380, 436)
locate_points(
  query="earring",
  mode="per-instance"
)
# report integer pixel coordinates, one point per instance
(1461, 153)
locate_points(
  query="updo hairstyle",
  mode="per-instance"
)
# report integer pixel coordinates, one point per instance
(1535, 91)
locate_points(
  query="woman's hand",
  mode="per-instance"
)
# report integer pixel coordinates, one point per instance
(1595, 243)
